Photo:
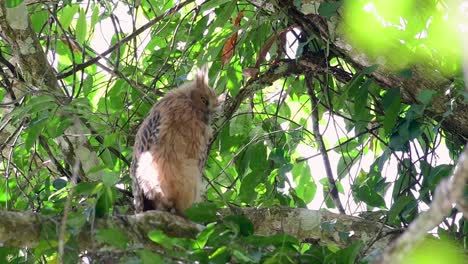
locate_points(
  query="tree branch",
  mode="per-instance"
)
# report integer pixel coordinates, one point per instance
(23, 229)
(449, 191)
(38, 74)
(423, 76)
(124, 40)
(318, 138)
(282, 69)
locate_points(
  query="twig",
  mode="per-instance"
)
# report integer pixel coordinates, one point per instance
(124, 40)
(320, 143)
(66, 209)
(448, 192)
(340, 144)
(60, 168)
(10, 158)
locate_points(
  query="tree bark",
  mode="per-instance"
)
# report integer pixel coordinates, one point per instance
(423, 76)
(39, 77)
(24, 229)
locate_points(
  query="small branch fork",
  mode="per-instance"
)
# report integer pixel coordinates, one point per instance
(320, 143)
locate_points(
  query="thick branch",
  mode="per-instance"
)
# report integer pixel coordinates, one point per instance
(38, 74)
(23, 229)
(16, 28)
(423, 76)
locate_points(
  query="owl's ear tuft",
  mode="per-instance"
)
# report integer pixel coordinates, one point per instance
(202, 78)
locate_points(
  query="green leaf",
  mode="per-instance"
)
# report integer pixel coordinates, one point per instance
(223, 14)
(405, 74)
(57, 125)
(76, 221)
(245, 225)
(36, 104)
(94, 16)
(426, 96)
(81, 27)
(240, 124)
(275, 240)
(59, 183)
(115, 95)
(355, 84)
(242, 256)
(346, 161)
(436, 175)
(107, 158)
(38, 19)
(212, 4)
(110, 140)
(148, 257)
(34, 131)
(67, 15)
(256, 155)
(105, 202)
(88, 85)
(279, 157)
(247, 193)
(233, 82)
(11, 255)
(403, 181)
(205, 234)
(305, 184)
(88, 188)
(361, 112)
(370, 69)
(350, 253)
(162, 239)
(110, 178)
(391, 103)
(202, 212)
(112, 236)
(220, 255)
(368, 195)
(12, 3)
(398, 207)
(329, 9)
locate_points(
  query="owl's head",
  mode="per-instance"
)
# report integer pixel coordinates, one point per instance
(202, 95)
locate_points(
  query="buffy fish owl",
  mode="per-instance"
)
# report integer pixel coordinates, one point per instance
(171, 146)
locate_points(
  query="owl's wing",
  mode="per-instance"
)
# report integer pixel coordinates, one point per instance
(147, 136)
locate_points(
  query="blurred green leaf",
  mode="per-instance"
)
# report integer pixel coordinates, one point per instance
(67, 14)
(112, 236)
(148, 257)
(202, 212)
(81, 27)
(59, 184)
(391, 103)
(162, 239)
(13, 3)
(245, 225)
(399, 205)
(329, 9)
(105, 202)
(425, 96)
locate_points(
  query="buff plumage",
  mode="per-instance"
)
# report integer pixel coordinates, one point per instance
(171, 146)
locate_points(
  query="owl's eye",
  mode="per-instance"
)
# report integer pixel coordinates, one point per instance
(204, 101)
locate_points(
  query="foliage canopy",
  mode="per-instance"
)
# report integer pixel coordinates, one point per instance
(292, 95)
